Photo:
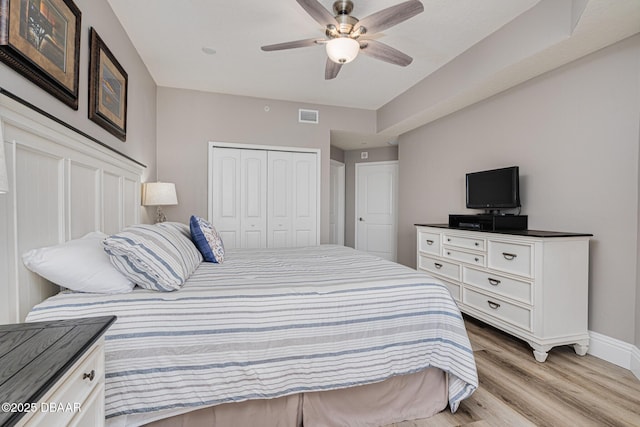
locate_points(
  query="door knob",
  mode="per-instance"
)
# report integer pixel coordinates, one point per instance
(361, 219)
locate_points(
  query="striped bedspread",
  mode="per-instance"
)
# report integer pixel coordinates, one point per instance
(274, 322)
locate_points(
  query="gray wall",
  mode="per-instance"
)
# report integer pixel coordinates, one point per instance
(188, 120)
(141, 114)
(574, 134)
(336, 154)
(351, 158)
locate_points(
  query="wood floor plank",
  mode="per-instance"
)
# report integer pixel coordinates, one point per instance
(516, 390)
(538, 404)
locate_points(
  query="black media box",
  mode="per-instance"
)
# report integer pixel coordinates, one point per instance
(486, 222)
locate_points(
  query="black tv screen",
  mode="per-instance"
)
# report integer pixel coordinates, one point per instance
(494, 189)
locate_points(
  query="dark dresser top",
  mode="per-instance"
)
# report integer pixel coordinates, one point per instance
(528, 233)
(34, 356)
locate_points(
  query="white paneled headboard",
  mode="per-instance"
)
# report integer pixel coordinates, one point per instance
(62, 185)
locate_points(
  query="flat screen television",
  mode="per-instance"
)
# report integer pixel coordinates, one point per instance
(494, 189)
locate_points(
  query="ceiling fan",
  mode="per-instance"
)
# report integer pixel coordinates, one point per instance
(346, 35)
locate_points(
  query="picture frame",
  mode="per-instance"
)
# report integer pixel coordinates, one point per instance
(108, 87)
(40, 39)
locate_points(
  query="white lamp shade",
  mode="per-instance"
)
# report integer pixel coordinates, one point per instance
(342, 49)
(4, 180)
(159, 194)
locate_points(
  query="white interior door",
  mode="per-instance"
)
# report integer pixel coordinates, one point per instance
(337, 203)
(292, 206)
(253, 193)
(377, 208)
(224, 208)
(239, 202)
(264, 196)
(280, 208)
(305, 209)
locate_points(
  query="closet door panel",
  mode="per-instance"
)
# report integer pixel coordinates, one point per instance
(305, 209)
(253, 223)
(280, 191)
(225, 188)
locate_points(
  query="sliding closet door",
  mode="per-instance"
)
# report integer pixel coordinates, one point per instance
(264, 198)
(238, 197)
(305, 198)
(292, 205)
(279, 206)
(253, 193)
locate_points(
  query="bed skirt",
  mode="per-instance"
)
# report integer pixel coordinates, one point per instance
(406, 397)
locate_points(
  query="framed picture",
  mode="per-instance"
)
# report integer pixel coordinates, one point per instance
(107, 88)
(41, 40)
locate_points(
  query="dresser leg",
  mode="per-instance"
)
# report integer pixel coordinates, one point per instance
(540, 352)
(540, 356)
(581, 348)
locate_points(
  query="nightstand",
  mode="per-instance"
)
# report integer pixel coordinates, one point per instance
(52, 373)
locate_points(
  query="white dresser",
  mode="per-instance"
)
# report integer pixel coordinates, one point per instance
(530, 284)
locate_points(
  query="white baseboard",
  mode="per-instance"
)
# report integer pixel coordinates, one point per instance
(635, 361)
(615, 351)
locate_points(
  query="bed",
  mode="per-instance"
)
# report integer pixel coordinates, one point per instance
(315, 336)
(91, 187)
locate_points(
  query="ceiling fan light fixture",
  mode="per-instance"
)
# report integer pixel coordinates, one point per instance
(342, 50)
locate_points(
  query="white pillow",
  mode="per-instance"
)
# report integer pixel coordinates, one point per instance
(80, 265)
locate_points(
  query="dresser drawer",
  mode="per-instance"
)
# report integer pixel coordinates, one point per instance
(511, 288)
(498, 308)
(467, 257)
(440, 267)
(511, 258)
(464, 242)
(67, 400)
(429, 242)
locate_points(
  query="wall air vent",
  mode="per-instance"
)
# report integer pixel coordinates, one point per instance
(307, 116)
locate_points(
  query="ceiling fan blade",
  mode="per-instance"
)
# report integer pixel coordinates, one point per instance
(291, 45)
(318, 12)
(331, 70)
(390, 16)
(384, 52)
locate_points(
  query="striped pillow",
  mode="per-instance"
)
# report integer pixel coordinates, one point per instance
(182, 228)
(153, 257)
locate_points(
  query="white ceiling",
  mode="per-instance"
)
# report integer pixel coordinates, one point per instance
(170, 36)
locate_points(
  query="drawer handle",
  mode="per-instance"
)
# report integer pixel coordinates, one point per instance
(448, 253)
(493, 305)
(438, 266)
(448, 240)
(494, 282)
(91, 375)
(477, 259)
(508, 256)
(477, 244)
(429, 242)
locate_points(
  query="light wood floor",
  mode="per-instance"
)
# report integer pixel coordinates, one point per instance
(515, 390)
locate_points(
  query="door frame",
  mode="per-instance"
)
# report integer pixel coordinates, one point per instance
(342, 201)
(357, 193)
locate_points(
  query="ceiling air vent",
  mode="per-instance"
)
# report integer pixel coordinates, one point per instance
(308, 116)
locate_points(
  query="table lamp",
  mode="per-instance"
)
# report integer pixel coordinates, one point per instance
(159, 194)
